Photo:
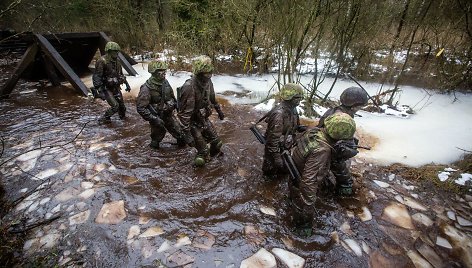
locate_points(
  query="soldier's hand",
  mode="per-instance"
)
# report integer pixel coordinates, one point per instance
(156, 121)
(345, 149)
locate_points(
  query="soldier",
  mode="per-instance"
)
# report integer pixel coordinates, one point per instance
(107, 78)
(282, 123)
(196, 101)
(313, 155)
(156, 103)
(352, 99)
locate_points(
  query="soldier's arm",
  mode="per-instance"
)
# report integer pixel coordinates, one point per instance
(274, 131)
(216, 105)
(315, 171)
(186, 106)
(142, 102)
(97, 77)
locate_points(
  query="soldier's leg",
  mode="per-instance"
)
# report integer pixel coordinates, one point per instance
(157, 134)
(201, 146)
(303, 211)
(121, 105)
(174, 128)
(211, 136)
(113, 105)
(341, 172)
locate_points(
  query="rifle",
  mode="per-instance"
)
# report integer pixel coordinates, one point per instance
(128, 88)
(258, 134)
(292, 168)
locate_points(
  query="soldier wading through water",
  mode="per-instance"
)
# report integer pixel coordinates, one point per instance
(156, 104)
(314, 153)
(196, 102)
(107, 78)
(282, 124)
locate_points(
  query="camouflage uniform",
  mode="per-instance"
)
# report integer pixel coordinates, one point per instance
(107, 78)
(282, 123)
(195, 106)
(156, 103)
(313, 155)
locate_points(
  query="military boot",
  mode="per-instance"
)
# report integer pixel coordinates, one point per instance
(154, 144)
(104, 120)
(344, 190)
(215, 147)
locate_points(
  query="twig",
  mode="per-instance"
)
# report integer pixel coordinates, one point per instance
(34, 225)
(467, 151)
(49, 146)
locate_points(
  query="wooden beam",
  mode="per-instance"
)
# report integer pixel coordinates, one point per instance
(61, 64)
(25, 61)
(51, 71)
(124, 62)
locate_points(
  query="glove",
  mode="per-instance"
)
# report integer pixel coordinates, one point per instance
(221, 115)
(156, 121)
(302, 128)
(345, 149)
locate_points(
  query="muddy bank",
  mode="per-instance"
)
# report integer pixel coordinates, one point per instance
(116, 202)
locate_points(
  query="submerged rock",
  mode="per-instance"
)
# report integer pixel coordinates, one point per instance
(133, 231)
(111, 213)
(461, 242)
(382, 184)
(423, 219)
(203, 240)
(180, 258)
(441, 241)
(79, 218)
(165, 246)
(413, 204)
(153, 231)
(398, 215)
(268, 211)
(365, 215)
(183, 241)
(354, 246)
(430, 255)
(417, 260)
(288, 258)
(254, 235)
(67, 194)
(261, 259)
(463, 222)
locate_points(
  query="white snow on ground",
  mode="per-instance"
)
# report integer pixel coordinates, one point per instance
(464, 178)
(432, 135)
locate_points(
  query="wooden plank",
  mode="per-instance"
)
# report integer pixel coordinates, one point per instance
(61, 64)
(126, 65)
(72, 35)
(25, 61)
(51, 71)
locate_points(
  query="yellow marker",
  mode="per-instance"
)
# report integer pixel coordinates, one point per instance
(440, 52)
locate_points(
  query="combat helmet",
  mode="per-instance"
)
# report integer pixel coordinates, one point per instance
(112, 46)
(202, 64)
(157, 65)
(291, 90)
(340, 126)
(354, 96)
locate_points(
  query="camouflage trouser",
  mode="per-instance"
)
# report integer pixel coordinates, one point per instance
(204, 133)
(115, 100)
(303, 212)
(171, 124)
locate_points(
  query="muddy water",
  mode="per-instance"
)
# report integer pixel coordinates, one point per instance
(83, 165)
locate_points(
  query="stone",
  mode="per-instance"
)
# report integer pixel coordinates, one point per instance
(44, 200)
(382, 184)
(261, 259)
(365, 215)
(463, 222)
(152, 231)
(288, 258)
(180, 258)
(413, 203)
(144, 220)
(86, 184)
(346, 228)
(49, 240)
(430, 255)
(203, 240)
(56, 209)
(133, 231)
(451, 215)
(87, 193)
(254, 235)
(423, 219)
(417, 260)
(111, 213)
(442, 242)
(461, 242)
(67, 194)
(268, 210)
(182, 241)
(365, 248)
(165, 246)
(79, 218)
(398, 215)
(354, 246)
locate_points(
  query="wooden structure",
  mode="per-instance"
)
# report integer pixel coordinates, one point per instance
(59, 57)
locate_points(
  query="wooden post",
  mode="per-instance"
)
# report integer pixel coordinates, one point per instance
(61, 64)
(25, 61)
(126, 65)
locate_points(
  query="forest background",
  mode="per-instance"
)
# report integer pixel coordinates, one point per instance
(427, 43)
